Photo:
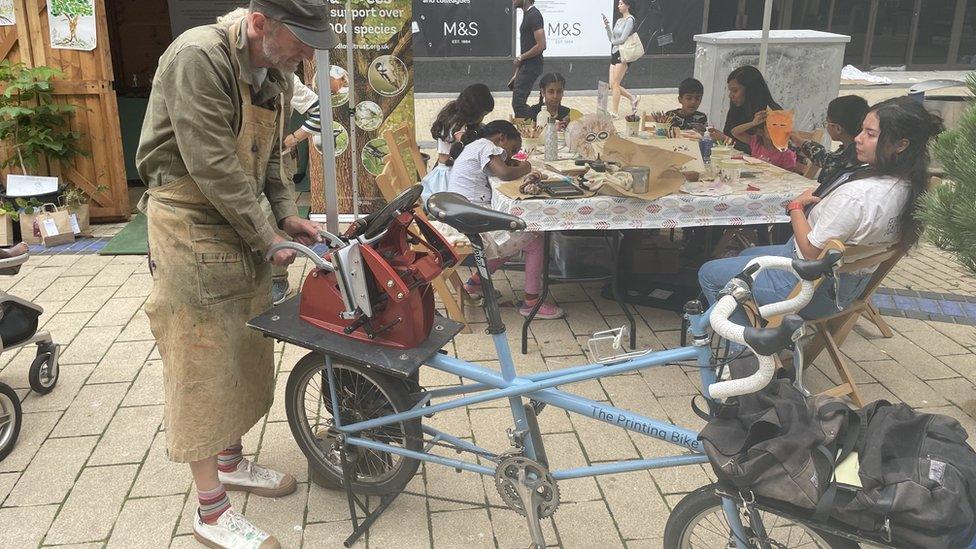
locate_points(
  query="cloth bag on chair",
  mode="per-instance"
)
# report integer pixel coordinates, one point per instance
(435, 181)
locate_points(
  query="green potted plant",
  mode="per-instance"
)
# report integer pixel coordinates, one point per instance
(33, 126)
(949, 211)
(27, 210)
(76, 200)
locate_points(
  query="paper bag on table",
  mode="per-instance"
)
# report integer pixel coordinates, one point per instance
(665, 177)
(55, 226)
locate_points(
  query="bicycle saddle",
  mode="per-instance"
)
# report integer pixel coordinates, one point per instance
(769, 341)
(458, 212)
(813, 269)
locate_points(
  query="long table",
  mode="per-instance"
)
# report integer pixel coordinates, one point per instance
(759, 199)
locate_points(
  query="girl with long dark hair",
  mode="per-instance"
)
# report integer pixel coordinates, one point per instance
(469, 109)
(748, 95)
(486, 152)
(869, 213)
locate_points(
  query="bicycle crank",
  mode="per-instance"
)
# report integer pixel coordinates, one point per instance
(527, 488)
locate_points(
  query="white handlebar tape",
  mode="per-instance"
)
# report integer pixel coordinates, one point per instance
(788, 306)
(731, 331)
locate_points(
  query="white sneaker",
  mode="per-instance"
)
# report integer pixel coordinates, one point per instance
(232, 531)
(260, 481)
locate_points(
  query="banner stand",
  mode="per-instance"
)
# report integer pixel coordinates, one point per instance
(328, 144)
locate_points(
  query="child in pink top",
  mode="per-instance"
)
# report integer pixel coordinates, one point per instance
(754, 133)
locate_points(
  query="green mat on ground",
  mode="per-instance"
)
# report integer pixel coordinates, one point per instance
(132, 240)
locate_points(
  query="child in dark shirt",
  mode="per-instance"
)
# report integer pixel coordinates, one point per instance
(844, 117)
(552, 86)
(688, 117)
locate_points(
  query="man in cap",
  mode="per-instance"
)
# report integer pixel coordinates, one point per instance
(210, 146)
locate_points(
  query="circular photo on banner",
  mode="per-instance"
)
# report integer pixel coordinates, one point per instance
(339, 82)
(388, 75)
(369, 116)
(373, 154)
(341, 137)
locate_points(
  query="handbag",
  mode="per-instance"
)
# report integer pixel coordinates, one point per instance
(633, 48)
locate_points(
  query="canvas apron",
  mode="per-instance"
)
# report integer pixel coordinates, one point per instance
(218, 374)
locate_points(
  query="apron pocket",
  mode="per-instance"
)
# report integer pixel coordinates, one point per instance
(224, 271)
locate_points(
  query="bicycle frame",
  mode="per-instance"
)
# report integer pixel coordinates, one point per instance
(488, 384)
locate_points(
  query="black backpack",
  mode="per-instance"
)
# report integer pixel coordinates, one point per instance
(917, 472)
(919, 479)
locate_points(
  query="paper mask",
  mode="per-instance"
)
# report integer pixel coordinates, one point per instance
(587, 135)
(779, 125)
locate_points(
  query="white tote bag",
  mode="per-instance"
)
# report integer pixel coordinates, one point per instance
(632, 49)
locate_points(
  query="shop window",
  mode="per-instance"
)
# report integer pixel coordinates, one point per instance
(967, 44)
(934, 32)
(891, 32)
(851, 18)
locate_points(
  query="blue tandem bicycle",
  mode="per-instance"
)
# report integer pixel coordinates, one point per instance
(356, 408)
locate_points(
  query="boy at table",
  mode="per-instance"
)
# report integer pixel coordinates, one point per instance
(688, 117)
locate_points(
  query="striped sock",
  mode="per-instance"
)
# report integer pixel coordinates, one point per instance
(228, 459)
(213, 503)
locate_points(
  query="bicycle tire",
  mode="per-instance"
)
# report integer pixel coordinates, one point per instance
(9, 405)
(705, 501)
(391, 395)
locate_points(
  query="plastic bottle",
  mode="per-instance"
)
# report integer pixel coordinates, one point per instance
(705, 144)
(552, 141)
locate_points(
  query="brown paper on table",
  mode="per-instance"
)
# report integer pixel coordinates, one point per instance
(665, 177)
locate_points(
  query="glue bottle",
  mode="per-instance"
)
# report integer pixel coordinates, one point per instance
(552, 141)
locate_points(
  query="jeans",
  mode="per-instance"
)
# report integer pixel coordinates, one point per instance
(774, 285)
(524, 85)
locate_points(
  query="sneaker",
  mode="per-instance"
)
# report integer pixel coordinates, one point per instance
(232, 531)
(279, 290)
(634, 102)
(548, 311)
(260, 481)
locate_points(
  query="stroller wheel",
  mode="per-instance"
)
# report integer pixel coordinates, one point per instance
(43, 374)
(9, 419)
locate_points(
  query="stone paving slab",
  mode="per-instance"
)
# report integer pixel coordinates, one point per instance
(90, 468)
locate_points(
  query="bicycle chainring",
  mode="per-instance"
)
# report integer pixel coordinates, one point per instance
(511, 471)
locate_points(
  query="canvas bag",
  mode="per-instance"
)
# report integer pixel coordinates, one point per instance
(633, 48)
(918, 477)
(779, 444)
(55, 226)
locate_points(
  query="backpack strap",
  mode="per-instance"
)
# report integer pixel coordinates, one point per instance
(836, 495)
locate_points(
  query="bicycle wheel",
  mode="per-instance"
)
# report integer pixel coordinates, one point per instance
(699, 521)
(363, 394)
(10, 418)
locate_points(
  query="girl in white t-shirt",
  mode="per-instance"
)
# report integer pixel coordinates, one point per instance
(468, 110)
(872, 210)
(487, 152)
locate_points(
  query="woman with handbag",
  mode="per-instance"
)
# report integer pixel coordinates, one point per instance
(623, 30)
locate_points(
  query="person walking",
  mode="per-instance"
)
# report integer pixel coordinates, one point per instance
(210, 148)
(529, 62)
(622, 29)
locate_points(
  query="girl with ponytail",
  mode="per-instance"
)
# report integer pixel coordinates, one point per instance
(468, 110)
(487, 152)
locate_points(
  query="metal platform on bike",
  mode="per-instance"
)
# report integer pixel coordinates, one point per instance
(282, 322)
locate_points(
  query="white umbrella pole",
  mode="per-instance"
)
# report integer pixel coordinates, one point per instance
(322, 66)
(764, 43)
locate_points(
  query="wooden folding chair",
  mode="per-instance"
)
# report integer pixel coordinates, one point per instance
(831, 332)
(395, 178)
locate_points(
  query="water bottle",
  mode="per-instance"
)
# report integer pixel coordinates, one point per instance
(705, 144)
(552, 141)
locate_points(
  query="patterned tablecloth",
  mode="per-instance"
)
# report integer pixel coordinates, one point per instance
(754, 200)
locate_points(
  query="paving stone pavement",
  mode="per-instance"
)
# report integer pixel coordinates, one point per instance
(89, 468)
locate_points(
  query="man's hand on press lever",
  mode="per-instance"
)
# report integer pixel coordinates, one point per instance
(303, 231)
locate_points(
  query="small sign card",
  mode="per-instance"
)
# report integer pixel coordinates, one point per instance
(30, 185)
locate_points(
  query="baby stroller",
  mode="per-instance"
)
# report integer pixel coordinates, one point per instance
(18, 328)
